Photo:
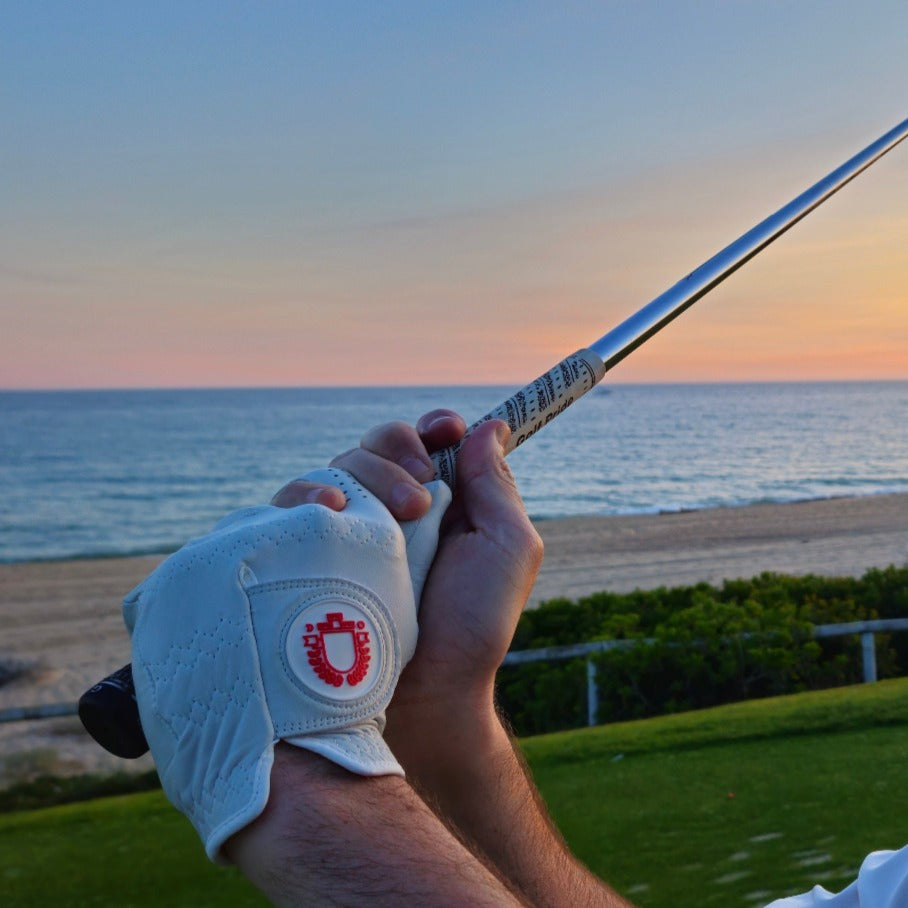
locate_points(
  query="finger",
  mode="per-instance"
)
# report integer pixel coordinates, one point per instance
(300, 491)
(440, 429)
(400, 443)
(392, 484)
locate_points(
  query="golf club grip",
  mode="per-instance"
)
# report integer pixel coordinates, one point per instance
(110, 714)
(109, 711)
(533, 406)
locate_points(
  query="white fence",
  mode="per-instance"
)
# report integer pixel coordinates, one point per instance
(866, 629)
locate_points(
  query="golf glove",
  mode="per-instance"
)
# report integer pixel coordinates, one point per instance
(286, 624)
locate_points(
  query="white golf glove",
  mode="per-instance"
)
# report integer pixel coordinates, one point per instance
(286, 624)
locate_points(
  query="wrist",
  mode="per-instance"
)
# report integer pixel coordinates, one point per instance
(443, 744)
(301, 783)
(436, 716)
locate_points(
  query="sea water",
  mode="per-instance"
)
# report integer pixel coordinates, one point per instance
(97, 473)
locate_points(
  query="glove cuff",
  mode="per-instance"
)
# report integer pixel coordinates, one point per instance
(360, 749)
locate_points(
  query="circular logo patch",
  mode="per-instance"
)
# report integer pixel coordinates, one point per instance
(334, 648)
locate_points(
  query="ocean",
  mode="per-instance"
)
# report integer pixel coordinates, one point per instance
(103, 473)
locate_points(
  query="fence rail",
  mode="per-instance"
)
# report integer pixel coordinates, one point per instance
(42, 711)
(867, 631)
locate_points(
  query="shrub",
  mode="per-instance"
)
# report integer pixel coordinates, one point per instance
(701, 646)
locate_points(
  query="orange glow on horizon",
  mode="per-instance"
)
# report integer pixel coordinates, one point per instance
(493, 297)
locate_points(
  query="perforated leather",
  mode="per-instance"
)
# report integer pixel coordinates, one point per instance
(282, 623)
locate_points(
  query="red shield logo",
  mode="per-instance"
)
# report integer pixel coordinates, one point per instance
(338, 649)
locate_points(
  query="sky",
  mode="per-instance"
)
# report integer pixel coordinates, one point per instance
(433, 193)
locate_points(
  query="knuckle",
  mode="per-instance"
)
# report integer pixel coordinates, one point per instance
(433, 417)
(519, 542)
(344, 457)
(536, 546)
(531, 544)
(389, 432)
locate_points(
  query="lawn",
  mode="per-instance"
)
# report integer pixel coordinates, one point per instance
(732, 806)
(738, 805)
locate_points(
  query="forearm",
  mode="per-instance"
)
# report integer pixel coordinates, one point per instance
(441, 722)
(329, 837)
(472, 775)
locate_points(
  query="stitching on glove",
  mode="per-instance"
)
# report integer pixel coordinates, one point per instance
(326, 608)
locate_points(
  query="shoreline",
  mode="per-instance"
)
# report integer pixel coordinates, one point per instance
(62, 622)
(161, 552)
(829, 536)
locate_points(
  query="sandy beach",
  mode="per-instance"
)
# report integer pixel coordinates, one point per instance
(62, 626)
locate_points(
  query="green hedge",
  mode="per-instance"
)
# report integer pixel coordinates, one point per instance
(47, 790)
(709, 645)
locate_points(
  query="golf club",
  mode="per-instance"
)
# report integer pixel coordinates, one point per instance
(108, 710)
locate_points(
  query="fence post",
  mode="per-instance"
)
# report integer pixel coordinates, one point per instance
(868, 648)
(592, 693)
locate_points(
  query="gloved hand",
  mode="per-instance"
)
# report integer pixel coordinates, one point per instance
(281, 624)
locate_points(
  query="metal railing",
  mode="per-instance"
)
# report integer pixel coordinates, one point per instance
(867, 631)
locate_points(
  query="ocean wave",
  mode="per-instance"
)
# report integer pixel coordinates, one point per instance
(92, 554)
(714, 504)
(133, 474)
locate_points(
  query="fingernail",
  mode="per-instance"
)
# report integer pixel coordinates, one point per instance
(503, 433)
(424, 427)
(419, 468)
(403, 494)
(325, 496)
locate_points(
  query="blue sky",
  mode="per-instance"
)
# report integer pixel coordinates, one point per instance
(277, 193)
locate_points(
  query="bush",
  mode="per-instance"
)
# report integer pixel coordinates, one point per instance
(701, 646)
(50, 790)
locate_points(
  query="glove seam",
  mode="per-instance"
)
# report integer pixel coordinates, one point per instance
(371, 703)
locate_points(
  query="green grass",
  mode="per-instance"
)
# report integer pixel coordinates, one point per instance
(732, 806)
(125, 851)
(737, 805)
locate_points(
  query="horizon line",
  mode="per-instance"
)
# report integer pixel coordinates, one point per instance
(604, 384)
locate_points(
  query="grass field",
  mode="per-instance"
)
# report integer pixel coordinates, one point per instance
(732, 806)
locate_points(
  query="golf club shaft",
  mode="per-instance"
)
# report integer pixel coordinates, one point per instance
(108, 710)
(539, 402)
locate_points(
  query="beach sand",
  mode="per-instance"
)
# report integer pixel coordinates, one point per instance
(61, 620)
(834, 537)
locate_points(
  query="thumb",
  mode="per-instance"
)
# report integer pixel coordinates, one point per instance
(488, 492)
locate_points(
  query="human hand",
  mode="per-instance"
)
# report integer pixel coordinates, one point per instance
(441, 723)
(418, 507)
(395, 478)
(235, 647)
(488, 557)
(487, 560)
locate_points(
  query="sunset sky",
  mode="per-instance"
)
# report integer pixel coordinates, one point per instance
(257, 194)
